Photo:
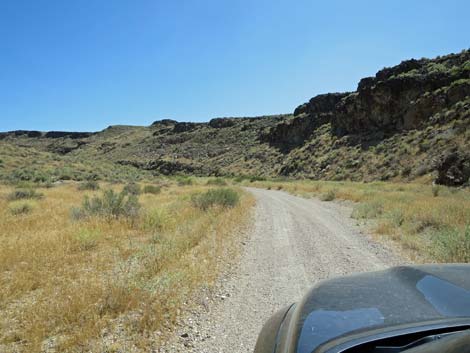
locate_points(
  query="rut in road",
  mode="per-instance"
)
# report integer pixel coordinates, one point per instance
(295, 243)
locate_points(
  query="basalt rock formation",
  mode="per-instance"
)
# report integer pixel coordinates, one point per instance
(408, 122)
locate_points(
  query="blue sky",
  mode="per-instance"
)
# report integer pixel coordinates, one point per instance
(85, 64)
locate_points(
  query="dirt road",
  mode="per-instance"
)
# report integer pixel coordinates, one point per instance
(294, 243)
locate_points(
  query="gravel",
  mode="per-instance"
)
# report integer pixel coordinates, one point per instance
(294, 243)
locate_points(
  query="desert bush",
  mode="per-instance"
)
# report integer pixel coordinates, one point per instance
(368, 210)
(452, 245)
(89, 185)
(20, 208)
(182, 181)
(21, 194)
(152, 189)
(111, 204)
(406, 171)
(87, 239)
(132, 189)
(257, 178)
(330, 195)
(435, 190)
(31, 175)
(217, 182)
(156, 219)
(218, 197)
(239, 179)
(396, 217)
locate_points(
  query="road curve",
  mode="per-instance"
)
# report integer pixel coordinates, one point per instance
(294, 243)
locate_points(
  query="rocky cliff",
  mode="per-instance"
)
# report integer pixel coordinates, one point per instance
(408, 122)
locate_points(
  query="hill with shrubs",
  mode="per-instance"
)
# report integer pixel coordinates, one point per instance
(408, 122)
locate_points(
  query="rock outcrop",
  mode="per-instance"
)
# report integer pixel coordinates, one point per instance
(184, 127)
(72, 135)
(307, 117)
(454, 169)
(49, 134)
(164, 122)
(404, 97)
(219, 123)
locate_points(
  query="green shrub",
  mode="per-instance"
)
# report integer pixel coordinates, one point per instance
(23, 174)
(435, 190)
(21, 194)
(328, 196)
(257, 178)
(406, 171)
(155, 219)
(367, 210)
(20, 208)
(111, 205)
(132, 189)
(89, 185)
(87, 239)
(217, 197)
(152, 189)
(397, 218)
(217, 182)
(182, 181)
(452, 245)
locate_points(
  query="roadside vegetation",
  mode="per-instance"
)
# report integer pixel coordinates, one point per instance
(431, 223)
(104, 268)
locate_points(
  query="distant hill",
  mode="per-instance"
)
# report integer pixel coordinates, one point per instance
(408, 122)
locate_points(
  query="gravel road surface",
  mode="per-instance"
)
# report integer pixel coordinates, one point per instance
(294, 243)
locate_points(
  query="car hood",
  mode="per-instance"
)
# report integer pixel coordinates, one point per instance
(349, 306)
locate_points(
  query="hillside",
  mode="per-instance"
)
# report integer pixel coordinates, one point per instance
(408, 122)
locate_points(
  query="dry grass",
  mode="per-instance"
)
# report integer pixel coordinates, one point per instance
(418, 217)
(66, 284)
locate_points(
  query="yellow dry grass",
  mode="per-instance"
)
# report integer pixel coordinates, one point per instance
(430, 222)
(66, 284)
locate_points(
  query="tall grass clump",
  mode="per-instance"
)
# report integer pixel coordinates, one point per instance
(110, 205)
(20, 207)
(87, 239)
(372, 209)
(218, 197)
(238, 179)
(21, 194)
(89, 185)
(156, 219)
(152, 189)
(217, 182)
(184, 181)
(452, 245)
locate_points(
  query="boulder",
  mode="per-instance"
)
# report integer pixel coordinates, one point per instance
(453, 169)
